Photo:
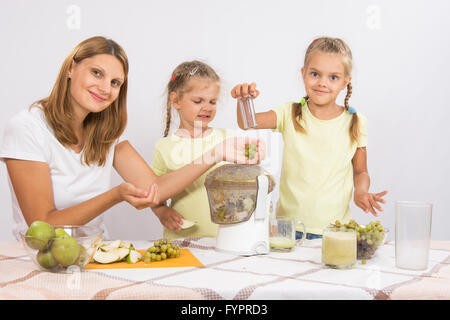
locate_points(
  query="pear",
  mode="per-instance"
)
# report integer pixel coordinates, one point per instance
(46, 259)
(39, 234)
(187, 224)
(134, 256)
(60, 233)
(65, 250)
(82, 257)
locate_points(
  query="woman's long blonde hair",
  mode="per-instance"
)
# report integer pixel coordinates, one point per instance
(101, 128)
(337, 46)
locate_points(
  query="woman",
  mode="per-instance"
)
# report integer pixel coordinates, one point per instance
(60, 152)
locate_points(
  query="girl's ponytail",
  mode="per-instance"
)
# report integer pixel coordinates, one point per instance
(297, 114)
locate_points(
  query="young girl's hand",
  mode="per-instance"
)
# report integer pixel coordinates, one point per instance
(139, 198)
(234, 150)
(369, 201)
(169, 217)
(243, 90)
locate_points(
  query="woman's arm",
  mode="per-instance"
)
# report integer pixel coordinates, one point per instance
(32, 186)
(264, 120)
(133, 168)
(363, 199)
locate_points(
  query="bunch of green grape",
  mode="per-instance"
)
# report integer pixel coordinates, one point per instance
(162, 249)
(372, 233)
(368, 238)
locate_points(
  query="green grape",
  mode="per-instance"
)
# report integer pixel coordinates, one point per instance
(163, 256)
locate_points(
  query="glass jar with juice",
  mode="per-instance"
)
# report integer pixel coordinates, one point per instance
(339, 248)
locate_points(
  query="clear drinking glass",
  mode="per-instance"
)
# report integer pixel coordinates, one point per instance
(247, 110)
(282, 233)
(412, 234)
(339, 248)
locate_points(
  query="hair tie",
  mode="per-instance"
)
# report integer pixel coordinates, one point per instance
(193, 71)
(173, 78)
(302, 102)
(351, 110)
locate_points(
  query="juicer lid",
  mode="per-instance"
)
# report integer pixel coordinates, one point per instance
(238, 176)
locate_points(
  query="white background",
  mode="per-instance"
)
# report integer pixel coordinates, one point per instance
(400, 79)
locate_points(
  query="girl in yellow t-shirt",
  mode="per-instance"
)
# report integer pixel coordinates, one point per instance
(324, 143)
(192, 91)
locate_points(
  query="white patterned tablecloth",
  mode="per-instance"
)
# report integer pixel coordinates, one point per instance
(286, 276)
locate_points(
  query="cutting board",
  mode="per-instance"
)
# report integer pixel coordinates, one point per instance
(186, 259)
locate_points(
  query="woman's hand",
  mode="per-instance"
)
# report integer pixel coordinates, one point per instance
(139, 198)
(169, 217)
(241, 150)
(369, 201)
(244, 90)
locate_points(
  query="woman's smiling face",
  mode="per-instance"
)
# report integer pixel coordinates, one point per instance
(324, 77)
(95, 82)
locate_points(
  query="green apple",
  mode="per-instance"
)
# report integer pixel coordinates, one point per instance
(134, 256)
(39, 234)
(46, 259)
(66, 250)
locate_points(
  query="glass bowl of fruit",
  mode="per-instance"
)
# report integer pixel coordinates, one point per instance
(61, 249)
(368, 237)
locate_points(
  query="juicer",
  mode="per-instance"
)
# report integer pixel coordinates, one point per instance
(240, 203)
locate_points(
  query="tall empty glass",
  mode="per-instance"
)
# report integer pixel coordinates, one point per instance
(247, 110)
(412, 234)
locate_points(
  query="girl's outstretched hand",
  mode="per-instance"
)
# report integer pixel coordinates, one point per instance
(244, 90)
(241, 150)
(139, 198)
(169, 218)
(369, 201)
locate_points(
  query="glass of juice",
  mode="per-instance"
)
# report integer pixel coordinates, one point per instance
(339, 248)
(282, 233)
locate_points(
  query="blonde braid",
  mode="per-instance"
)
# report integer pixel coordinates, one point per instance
(354, 126)
(168, 117)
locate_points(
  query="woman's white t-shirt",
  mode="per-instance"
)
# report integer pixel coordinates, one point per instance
(29, 137)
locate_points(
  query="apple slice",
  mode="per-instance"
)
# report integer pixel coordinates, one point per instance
(123, 252)
(124, 244)
(110, 256)
(187, 224)
(112, 245)
(106, 257)
(134, 256)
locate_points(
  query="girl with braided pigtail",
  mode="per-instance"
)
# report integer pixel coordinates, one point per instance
(324, 154)
(193, 91)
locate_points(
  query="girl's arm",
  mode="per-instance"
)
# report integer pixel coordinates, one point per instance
(363, 199)
(264, 120)
(133, 168)
(32, 186)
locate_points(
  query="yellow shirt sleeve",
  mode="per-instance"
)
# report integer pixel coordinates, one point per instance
(362, 122)
(158, 164)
